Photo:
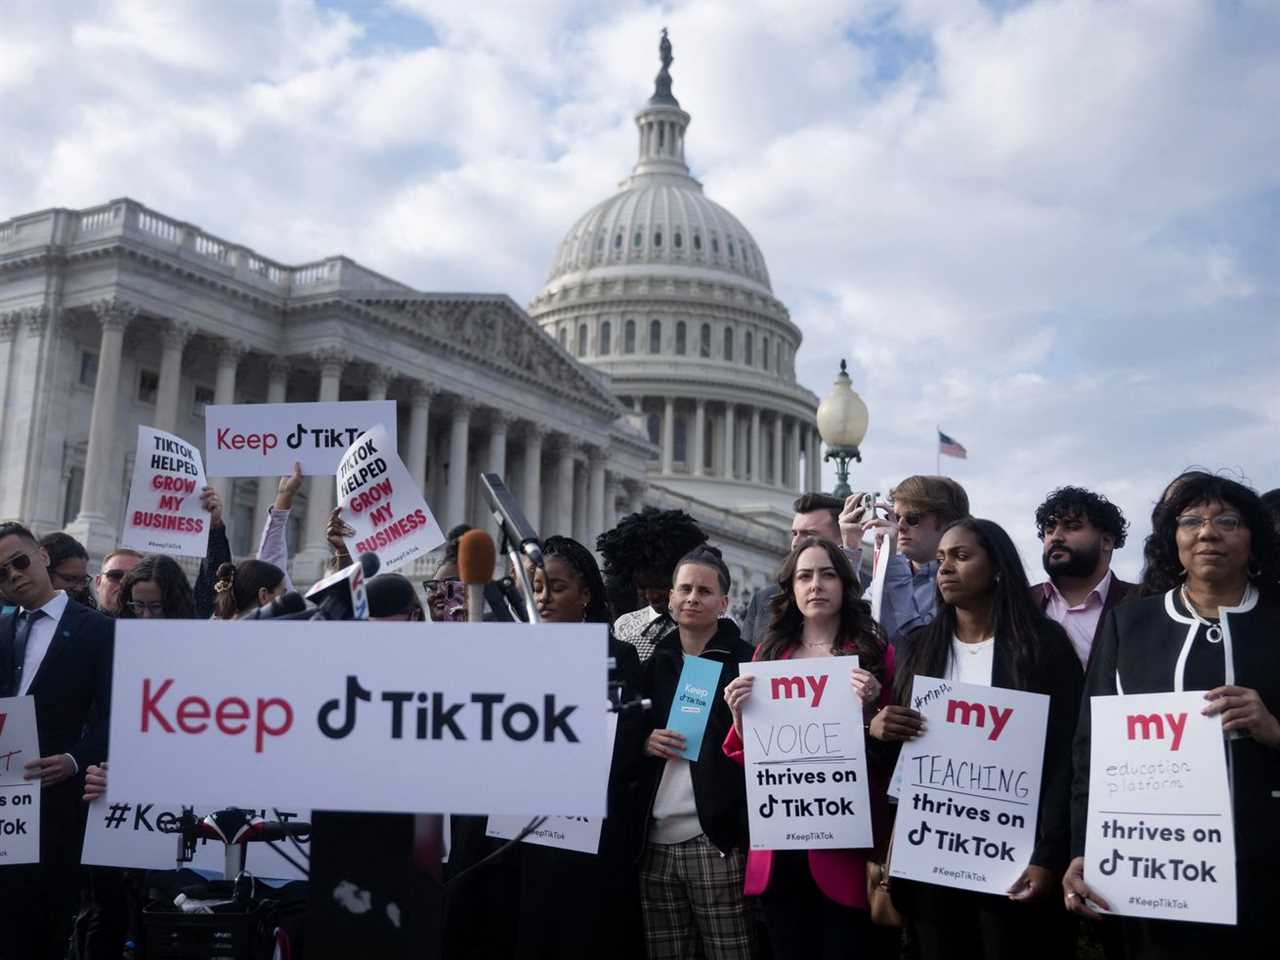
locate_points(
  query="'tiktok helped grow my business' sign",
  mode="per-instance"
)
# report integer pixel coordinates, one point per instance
(164, 514)
(1160, 842)
(970, 788)
(805, 755)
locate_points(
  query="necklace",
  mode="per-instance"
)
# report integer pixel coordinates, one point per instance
(1214, 633)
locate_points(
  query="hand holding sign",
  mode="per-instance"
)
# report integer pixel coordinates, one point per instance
(1243, 710)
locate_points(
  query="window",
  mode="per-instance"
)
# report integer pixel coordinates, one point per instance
(600, 241)
(728, 343)
(678, 240)
(564, 337)
(657, 238)
(680, 446)
(617, 240)
(697, 241)
(638, 238)
(704, 341)
(654, 423)
(88, 368)
(680, 338)
(655, 336)
(202, 397)
(715, 244)
(148, 386)
(748, 354)
(71, 503)
(582, 340)
(764, 351)
(629, 337)
(777, 360)
(730, 248)
(606, 336)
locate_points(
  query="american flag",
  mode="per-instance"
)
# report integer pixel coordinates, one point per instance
(949, 448)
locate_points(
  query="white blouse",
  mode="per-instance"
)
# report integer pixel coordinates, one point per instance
(971, 662)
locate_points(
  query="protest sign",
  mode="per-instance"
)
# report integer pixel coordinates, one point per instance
(805, 753)
(565, 833)
(486, 718)
(19, 798)
(120, 834)
(884, 551)
(970, 786)
(267, 439)
(164, 514)
(1160, 841)
(692, 703)
(383, 504)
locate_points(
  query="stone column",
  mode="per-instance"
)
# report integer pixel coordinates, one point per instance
(815, 460)
(596, 510)
(635, 495)
(668, 434)
(419, 420)
(699, 437)
(778, 474)
(9, 324)
(321, 489)
(499, 423)
(459, 448)
(93, 527)
(224, 391)
(581, 514)
(612, 491)
(561, 520)
(730, 429)
(173, 341)
(792, 475)
(757, 460)
(379, 379)
(531, 482)
(277, 388)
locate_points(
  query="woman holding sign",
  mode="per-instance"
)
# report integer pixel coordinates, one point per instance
(815, 903)
(1210, 622)
(989, 632)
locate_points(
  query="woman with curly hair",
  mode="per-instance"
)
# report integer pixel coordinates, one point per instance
(156, 589)
(1210, 621)
(988, 631)
(815, 902)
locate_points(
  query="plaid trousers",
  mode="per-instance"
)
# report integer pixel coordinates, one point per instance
(691, 895)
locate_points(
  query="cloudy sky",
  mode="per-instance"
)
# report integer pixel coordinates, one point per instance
(1049, 227)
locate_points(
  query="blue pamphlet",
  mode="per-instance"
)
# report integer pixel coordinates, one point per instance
(692, 703)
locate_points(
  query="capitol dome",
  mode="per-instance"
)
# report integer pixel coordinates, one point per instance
(667, 293)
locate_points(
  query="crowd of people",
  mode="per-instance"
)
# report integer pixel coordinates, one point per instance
(675, 875)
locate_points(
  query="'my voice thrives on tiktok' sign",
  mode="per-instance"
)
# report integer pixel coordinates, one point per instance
(475, 718)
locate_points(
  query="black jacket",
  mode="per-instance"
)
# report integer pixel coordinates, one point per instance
(719, 786)
(1140, 645)
(1058, 675)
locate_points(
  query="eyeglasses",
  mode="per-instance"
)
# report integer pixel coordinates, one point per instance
(911, 519)
(115, 576)
(19, 562)
(1223, 522)
(439, 586)
(153, 607)
(69, 580)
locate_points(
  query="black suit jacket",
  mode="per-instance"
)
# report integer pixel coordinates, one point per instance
(72, 691)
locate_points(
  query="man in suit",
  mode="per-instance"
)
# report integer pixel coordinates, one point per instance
(1080, 530)
(59, 653)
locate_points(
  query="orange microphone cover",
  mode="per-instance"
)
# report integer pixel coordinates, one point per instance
(476, 557)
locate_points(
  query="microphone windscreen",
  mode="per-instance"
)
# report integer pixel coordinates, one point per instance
(281, 606)
(476, 557)
(369, 564)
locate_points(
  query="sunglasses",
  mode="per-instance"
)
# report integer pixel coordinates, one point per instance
(20, 562)
(115, 576)
(911, 519)
(153, 607)
(81, 581)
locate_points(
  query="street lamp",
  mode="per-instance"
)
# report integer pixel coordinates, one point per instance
(842, 422)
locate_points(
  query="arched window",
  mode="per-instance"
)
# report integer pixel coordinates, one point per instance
(655, 336)
(678, 240)
(680, 338)
(704, 341)
(629, 337)
(697, 241)
(582, 340)
(730, 248)
(764, 351)
(728, 343)
(748, 353)
(657, 238)
(617, 240)
(777, 360)
(606, 338)
(637, 238)
(654, 424)
(715, 244)
(564, 337)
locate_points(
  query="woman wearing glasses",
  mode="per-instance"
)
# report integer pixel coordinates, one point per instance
(1211, 622)
(156, 589)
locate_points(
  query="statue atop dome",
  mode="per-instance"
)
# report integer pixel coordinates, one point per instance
(662, 82)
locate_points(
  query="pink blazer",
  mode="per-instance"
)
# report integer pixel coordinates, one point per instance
(840, 874)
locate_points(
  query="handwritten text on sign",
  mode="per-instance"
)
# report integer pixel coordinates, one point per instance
(383, 504)
(266, 439)
(19, 799)
(805, 756)
(134, 835)
(164, 514)
(502, 707)
(1160, 841)
(970, 791)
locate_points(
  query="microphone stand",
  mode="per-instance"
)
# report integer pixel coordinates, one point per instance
(522, 575)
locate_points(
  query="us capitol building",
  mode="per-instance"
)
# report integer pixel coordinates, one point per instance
(655, 367)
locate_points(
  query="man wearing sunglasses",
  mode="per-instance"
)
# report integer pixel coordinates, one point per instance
(921, 509)
(59, 653)
(107, 583)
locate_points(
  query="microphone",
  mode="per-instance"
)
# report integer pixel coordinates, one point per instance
(284, 605)
(476, 558)
(515, 525)
(341, 595)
